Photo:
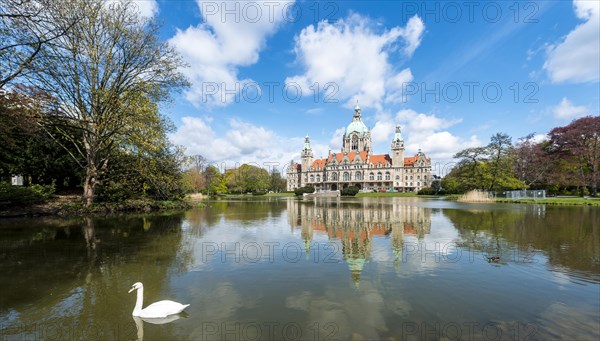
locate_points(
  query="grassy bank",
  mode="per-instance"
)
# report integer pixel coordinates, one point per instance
(554, 201)
(72, 205)
(386, 194)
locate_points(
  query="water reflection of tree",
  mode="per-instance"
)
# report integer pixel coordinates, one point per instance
(355, 223)
(569, 236)
(73, 279)
(244, 212)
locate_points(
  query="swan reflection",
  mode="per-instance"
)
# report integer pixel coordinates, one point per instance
(139, 322)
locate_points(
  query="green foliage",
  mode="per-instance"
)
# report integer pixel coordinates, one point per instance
(305, 189)
(25, 148)
(488, 168)
(247, 179)
(277, 182)
(20, 195)
(349, 191)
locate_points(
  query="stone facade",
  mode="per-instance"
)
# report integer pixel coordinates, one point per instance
(357, 165)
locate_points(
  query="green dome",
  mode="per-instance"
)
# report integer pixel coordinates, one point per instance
(357, 126)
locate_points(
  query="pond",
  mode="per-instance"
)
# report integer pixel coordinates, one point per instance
(323, 269)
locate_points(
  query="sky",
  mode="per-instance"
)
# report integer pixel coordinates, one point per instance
(265, 74)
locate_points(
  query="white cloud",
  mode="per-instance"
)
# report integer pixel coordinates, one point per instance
(242, 142)
(576, 59)
(335, 143)
(566, 110)
(422, 131)
(350, 54)
(412, 34)
(231, 36)
(147, 8)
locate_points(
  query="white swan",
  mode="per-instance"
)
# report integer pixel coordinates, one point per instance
(158, 309)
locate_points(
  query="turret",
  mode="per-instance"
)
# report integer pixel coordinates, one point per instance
(306, 154)
(398, 149)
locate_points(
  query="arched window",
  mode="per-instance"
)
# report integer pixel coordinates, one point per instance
(346, 176)
(379, 176)
(312, 178)
(397, 177)
(387, 175)
(334, 177)
(371, 176)
(354, 142)
(318, 178)
(358, 176)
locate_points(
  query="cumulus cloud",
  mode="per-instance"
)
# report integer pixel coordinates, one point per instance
(231, 36)
(351, 54)
(147, 8)
(576, 59)
(566, 110)
(335, 143)
(423, 131)
(242, 142)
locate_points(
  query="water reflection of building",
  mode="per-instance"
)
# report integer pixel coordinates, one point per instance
(355, 224)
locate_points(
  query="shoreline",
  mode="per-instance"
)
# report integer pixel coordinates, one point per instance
(65, 206)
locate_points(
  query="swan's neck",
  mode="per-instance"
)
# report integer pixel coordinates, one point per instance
(139, 302)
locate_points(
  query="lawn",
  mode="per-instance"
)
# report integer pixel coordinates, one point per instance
(555, 201)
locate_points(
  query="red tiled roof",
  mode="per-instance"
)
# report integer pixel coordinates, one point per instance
(319, 164)
(383, 158)
(351, 156)
(410, 160)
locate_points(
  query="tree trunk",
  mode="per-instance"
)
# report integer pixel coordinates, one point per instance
(89, 185)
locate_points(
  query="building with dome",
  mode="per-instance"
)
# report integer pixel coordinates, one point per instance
(357, 165)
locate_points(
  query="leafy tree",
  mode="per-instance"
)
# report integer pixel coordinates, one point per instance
(26, 27)
(532, 164)
(234, 181)
(501, 158)
(580, 140)
(25, 149)
(214, 180)
(107, 74)
(277, 182)
(488, 168)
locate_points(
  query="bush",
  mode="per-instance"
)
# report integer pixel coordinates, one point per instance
(350, 191)
(426, 191)
(20, 195)
(305, 189)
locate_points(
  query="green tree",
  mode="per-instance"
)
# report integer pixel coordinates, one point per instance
(487, 168)
(277, 182)
(501, 159)
(107, 74)
(214, 181)
(25, 149)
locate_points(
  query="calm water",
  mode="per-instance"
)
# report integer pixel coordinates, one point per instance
(370, 268)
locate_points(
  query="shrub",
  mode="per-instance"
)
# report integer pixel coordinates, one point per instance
(20, 195)
(350, 191)
(305, 189)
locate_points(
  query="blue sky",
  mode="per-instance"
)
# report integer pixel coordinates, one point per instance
(450, 73)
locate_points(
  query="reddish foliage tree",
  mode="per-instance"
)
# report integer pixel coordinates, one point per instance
(580, 140)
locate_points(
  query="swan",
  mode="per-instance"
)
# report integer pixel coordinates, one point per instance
(158, 309)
